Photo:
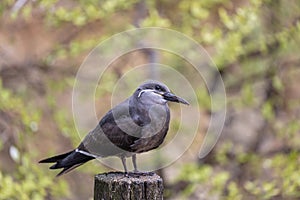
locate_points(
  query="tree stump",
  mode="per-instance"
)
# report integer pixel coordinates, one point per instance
(131, 186)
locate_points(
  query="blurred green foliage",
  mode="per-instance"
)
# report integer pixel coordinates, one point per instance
(255, 45)
(28, 180)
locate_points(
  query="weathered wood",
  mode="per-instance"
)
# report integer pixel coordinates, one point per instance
(131, 186)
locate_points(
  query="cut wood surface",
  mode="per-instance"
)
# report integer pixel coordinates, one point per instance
(118, 185)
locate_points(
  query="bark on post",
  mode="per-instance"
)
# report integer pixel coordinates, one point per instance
(117, 185)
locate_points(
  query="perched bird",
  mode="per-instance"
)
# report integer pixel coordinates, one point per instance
(138, 124)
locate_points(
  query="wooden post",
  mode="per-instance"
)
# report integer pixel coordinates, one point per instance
(133, 186)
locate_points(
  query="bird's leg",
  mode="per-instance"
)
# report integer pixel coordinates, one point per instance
(134, 163)
(124, 163)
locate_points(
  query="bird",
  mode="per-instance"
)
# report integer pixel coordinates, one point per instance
(136, 125)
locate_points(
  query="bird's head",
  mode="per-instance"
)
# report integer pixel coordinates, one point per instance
(157, 92)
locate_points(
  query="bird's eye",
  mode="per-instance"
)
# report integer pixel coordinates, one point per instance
(157, 87)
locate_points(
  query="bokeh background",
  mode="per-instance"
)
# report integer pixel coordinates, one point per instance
(254, 44)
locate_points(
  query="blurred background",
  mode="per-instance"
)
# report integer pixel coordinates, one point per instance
(254, 43)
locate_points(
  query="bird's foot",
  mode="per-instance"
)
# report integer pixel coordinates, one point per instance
(126, 174)
(140, 173)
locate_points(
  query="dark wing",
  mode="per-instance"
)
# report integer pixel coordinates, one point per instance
(120, 131)
(114, 134)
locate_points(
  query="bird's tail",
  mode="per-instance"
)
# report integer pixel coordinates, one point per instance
(67, 161)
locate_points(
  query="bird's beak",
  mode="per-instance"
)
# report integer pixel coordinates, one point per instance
(172, 97)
